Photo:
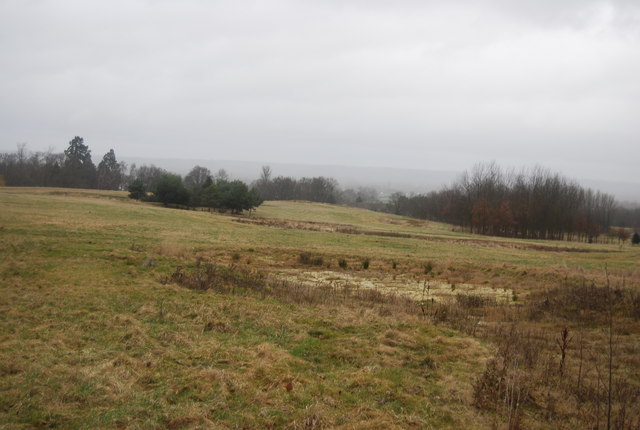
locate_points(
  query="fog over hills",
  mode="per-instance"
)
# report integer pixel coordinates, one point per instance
(385, 179)
(431, 85)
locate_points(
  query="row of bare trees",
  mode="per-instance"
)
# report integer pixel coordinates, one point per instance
(317, 189)
(529, 204)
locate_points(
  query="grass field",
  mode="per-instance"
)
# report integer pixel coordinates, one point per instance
(97, 333)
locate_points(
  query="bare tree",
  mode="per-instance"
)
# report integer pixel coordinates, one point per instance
(221, 176)
(196, 178)
(533, 204)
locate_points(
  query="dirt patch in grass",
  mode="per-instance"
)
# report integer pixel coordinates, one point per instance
(404, 285)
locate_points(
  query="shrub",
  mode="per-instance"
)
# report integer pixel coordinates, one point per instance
(309, 260)
(365, 264)
(137, 190)
(428, 267)
(342, 263)
(170, 190)
(473, 300)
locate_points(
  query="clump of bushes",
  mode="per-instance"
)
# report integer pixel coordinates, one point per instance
(309, 260)
(471, 301)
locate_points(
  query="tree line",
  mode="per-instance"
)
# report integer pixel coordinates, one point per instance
(74, 168)
(199, 188)
(534, 204)
(318, 189)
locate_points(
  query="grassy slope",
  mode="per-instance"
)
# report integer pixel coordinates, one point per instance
(90, 338)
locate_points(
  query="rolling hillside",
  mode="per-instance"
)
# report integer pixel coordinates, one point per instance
(120, 314)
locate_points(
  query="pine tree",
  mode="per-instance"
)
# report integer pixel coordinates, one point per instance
(109, 172)
(170, 190)
(137, 190)
(78, 170)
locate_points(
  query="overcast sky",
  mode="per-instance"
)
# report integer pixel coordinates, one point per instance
(416, 84)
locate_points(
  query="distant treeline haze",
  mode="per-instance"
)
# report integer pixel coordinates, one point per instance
(318, 189)
(535, 204)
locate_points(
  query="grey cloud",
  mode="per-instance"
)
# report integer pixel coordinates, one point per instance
(408, 83)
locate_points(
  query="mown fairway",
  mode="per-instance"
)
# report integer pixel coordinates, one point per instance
(95, 333)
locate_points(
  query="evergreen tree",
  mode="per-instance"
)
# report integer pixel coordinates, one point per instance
(635, 239)
(255, 200)
(78, 170)
(137, 190)
(234, 196)
(109, 172)
(170, 190)
(210, 197)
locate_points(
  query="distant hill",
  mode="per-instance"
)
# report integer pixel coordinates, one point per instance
(384, 179)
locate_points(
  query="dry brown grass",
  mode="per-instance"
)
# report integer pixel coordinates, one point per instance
(91, 339)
